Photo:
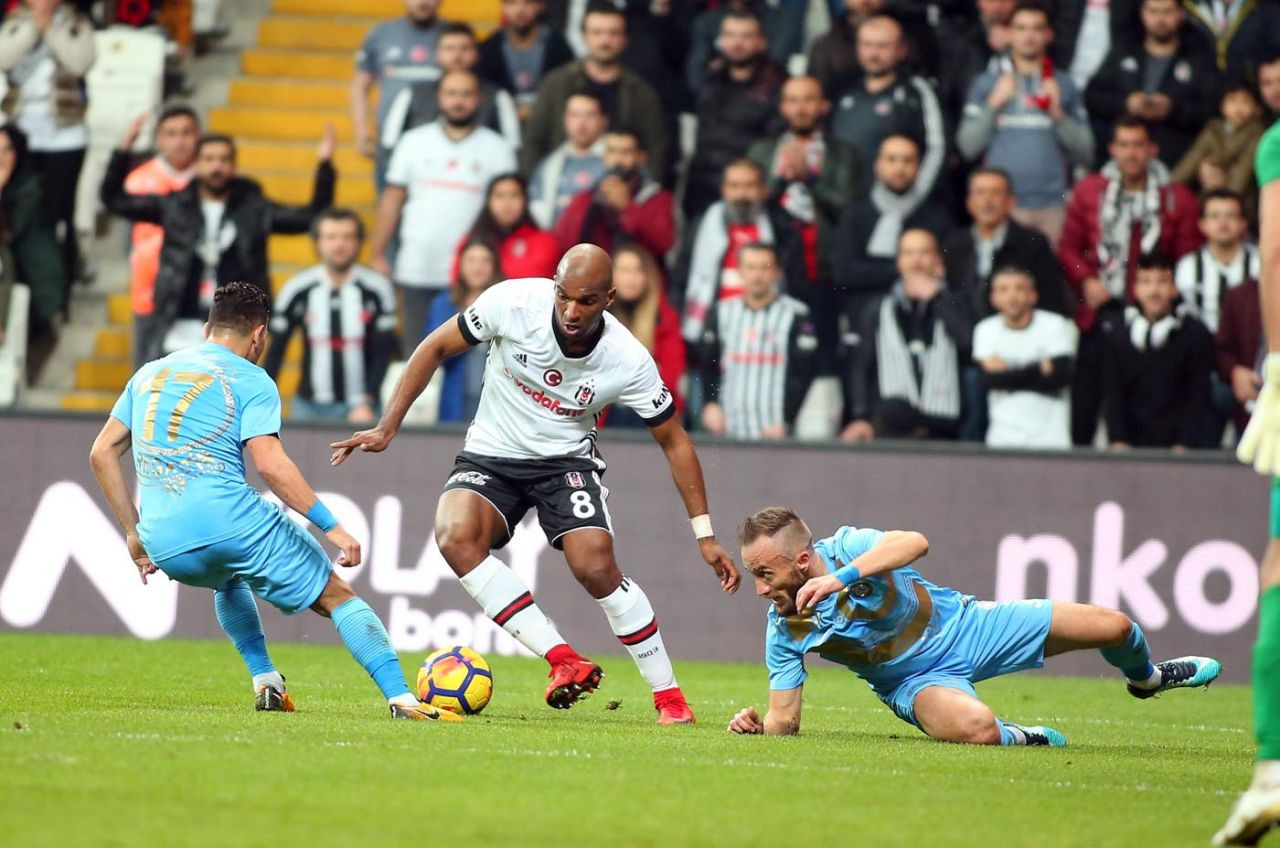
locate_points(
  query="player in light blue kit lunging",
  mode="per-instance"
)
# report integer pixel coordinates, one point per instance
(853, 600)
(188, 417)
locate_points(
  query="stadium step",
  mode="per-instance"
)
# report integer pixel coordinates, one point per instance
(299, 158)
(103, 374)
(312, 33)
(329, 65)
(283, 124)
(89, 401)
(288, 93)
(474, 11)
(113, 342)
(120, 310)
(288, 188)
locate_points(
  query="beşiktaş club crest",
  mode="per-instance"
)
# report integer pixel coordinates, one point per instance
(575, 479)
(585, 394)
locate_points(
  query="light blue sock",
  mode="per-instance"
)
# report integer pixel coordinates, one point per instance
(1132, 656)
(367, 640)
(238, 614)
(1011, 734)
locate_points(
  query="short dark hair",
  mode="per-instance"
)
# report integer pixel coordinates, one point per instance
(1031, 6)
(744, 162)
(914, 141)
(240, 307)
(177, 110)
(742, 15)
(216, 138)
(630, 132)
(1014, 270)
(991, 171)
(590, 95)
(337, 213)
(768, 522)
(455, 28)
(759, 246)
(602, 7)
(1239, 86)
(1158, 259)
(1270, 58)
(1130, 122)
(1220, 194)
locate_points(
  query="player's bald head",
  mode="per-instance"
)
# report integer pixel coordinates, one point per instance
(585, 269)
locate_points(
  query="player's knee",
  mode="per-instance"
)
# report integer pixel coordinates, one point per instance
(980, 728)
(1114, 628)
(461, 543)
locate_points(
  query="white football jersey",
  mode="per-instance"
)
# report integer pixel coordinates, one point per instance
(539, 402)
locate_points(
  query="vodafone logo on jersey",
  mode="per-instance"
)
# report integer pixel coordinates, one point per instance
(544, 400)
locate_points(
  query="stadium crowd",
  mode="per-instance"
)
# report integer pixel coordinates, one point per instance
(1001, 221)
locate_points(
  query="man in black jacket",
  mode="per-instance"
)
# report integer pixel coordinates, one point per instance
(995, 241)
(1168, 79)
(215, 229)
(1156, 375)
(522, 51)
(737, 106)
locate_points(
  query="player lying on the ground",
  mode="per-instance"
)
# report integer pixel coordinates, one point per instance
(853, 600)
(187, 418)
(1258, 810)
(557, 359)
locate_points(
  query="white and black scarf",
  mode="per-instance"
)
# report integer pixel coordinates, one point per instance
(936, 392)
(894, 210)
(1117, 218)
(1151, 335)
(706, 263)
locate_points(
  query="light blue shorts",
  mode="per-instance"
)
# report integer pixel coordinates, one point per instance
(282, 563)
(993, 639)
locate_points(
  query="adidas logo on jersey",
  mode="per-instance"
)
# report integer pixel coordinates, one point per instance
(521, 359)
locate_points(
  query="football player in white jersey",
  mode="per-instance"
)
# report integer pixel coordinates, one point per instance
(556, 359)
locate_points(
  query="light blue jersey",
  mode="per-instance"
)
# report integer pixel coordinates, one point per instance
(884, 628)
(189, 415)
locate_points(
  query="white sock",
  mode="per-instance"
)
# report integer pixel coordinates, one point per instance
(633, 622)
(405, 700)
(1266, 774)
(507, 600)
(271, 678)
(1151, 682)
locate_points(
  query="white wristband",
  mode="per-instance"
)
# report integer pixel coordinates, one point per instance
(701, 525)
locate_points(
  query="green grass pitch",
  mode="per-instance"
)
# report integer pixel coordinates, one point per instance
(119, 742)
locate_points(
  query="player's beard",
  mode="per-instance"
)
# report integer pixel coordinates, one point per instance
(461, 122)
(741, 211)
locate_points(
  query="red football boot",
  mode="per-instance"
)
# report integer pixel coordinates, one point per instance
(672, 707)
(571, 681)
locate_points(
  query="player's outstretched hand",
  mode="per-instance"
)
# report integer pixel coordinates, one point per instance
(746, 721)
(718, 558)
(815, 589)
(369, 441)
(140, 557)
(1260, 446)
(348, 547)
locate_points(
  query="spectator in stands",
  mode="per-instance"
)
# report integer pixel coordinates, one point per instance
(812, 174)
(1222, 156)
(573, 167)
(1027, 119)
(505, 224)
(1157, 363)
(707, 271)
(1227, 259)
(641, 305)
(215, 229)
(393, 56)
(833, 58)
(522, 51)
(737, 105)
(463, 375)
(902, 362)
(435, 189)
(347, 315)
(864, 259)
(46, 49)
(885, 101)
(627, 205)
(1167, 79)
(658, 34)
(177, 131)
(971, 48)
(706, 44)
(29, 232)
(1085, 31)
(1128, 208)
(628, 100)
(1269, 87)
(1240, 346)
(757, 354)
(1026, 356)
(419, 103)
(1241, 33)
(997, 241)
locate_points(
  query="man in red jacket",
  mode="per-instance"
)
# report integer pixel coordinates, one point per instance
(625, 206)
(1128, 208)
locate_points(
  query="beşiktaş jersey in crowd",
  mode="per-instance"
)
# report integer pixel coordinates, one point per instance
(348, 333)
(537, 400)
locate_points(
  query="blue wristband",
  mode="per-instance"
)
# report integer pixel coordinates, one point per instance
(320, 516)
(848, 575)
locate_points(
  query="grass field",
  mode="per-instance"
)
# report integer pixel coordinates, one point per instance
(119, 742)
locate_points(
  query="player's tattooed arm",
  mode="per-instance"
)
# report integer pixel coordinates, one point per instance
(112, 443)
(443, 342)
(686, 471)
(782, 719)
(896, 549)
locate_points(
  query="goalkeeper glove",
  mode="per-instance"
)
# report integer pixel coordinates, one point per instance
(1260, 446)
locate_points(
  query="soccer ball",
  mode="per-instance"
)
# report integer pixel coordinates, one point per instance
(456, 679)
